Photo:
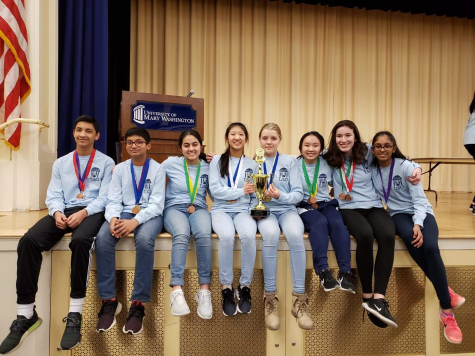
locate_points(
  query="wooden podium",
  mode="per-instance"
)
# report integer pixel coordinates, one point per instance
(164, 143)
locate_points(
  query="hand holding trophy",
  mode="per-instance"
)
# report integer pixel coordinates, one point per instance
(260, 183)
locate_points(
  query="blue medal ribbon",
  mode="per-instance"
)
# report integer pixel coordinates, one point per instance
(139, 190)
(269, 182)
(235, 172)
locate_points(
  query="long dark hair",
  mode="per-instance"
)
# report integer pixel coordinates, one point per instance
(196, 135)
(396, 154)
(311, 133)
(472, 105)
(334, 156)
(224, 159)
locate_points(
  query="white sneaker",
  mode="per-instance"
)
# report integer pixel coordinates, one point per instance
(178, 303)
(205, 308)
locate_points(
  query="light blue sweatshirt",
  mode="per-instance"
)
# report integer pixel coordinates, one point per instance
(122, 196)
(404, 197)
(469, 134)
(177, 189)
(287, 180)
(324, 179)
(222, 193)
(64, 188)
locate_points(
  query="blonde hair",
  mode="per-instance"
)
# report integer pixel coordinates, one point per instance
(271, 126)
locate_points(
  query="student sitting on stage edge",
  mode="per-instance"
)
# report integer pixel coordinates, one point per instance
(76, 198)
(136, 201)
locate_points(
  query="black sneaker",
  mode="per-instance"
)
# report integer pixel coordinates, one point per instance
(229, 307)
(347, 282)
(134, 324)
(243, 296)
(375, 321)
(20, 329)
(380, 309)
(109, 309)
(472, 207)
(327, 281)
(72, 333)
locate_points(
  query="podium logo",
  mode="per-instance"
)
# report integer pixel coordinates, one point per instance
(138, 114)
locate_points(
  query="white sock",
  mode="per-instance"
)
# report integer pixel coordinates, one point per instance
(75, 305)
(26, 310)
(227, 286)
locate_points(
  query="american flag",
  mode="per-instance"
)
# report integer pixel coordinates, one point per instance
(15, 83)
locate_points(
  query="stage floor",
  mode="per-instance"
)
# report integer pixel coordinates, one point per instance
(451, 211)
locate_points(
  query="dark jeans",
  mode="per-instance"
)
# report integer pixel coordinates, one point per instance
(366, 225)
(471, 149)
(42, 237)
(324, 222)
(428, 255)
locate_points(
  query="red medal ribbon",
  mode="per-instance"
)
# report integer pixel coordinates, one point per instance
(82, 180)
(349, 184)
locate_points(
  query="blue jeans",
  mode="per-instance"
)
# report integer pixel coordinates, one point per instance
(293, 229)
(320, 223)
(428, 255)
(145, 236)
(226, 225)
(179, 222)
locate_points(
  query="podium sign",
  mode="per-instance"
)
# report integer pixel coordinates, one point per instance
(163, 116)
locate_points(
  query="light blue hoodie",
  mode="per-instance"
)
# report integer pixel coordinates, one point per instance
(324, 179)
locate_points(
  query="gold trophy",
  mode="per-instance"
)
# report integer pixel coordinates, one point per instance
(260, 183)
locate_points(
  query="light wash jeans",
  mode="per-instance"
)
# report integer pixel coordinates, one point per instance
(225, 225)
(179, 222)
(293, 229)
(144, 235)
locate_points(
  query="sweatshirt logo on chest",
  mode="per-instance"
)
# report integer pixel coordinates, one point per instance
(397, 183)
(204, 181)
(147, 185)
(322, 181)
(247, 175)
(283, 175)
(95, 172)
(365, 166)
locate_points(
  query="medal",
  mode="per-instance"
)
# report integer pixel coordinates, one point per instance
(77, 170)
(274, 166)
(139, 190)
(345, 183)
(192, 189)
(231, 201)
(386, 193)
(312, 187)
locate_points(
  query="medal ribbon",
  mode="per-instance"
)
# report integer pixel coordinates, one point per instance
(386, 194)
(194, 188)
(139, 190)
(269, 182)
(77, 169)
(237, 174)
(312, 187)
(345, 183)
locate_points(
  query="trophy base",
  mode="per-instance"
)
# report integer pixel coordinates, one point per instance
(259, 213)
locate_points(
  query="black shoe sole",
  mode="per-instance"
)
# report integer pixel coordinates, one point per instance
(379, 316)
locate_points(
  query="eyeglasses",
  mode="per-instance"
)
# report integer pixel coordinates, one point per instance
(138, 143)
(383, 148)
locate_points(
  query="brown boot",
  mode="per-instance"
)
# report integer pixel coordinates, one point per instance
(300, 311)
(270, 311)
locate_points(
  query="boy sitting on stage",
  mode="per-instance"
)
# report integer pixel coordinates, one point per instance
(76, 198)
(136, 201)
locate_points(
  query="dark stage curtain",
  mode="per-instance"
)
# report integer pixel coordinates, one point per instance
(458, 8)
(83, 68)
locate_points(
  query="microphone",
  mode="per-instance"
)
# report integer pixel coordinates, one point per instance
(190, 93)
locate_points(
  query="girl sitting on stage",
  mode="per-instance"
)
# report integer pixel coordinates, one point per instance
(284, 191)
(186, 211)
(415, 223)
(233, 195)
(319, 213)
(363, 214)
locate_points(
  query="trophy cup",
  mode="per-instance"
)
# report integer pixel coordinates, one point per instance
(260, 183)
